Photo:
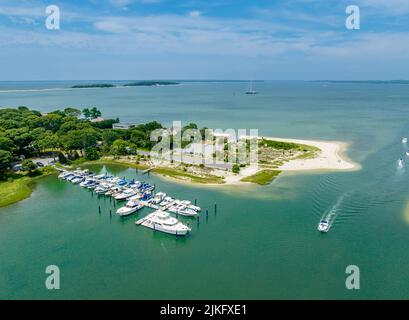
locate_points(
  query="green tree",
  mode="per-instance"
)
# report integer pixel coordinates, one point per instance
(236, 168)
(91, 153)
(109, 136)
(49, 141)
(6, 144)
(86, 112)
(28, 165)
(6, 159)
(51, 122)
(80, 139)
(72, 112)
(62, 159)
(121, 147)
(95, 113)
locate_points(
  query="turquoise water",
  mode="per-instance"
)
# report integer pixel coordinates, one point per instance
(262, 243)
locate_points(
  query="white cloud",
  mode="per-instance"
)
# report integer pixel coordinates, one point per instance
(395, 7)
(194, 13)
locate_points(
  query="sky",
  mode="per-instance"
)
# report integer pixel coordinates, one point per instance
(204, 39)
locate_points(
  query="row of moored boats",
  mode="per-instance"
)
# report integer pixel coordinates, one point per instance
(137, 195)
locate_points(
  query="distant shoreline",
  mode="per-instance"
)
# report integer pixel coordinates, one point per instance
(131, 84)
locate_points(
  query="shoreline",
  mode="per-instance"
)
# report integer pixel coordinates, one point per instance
(332, 156)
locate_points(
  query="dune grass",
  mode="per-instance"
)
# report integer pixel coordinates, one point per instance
(263, 177)
(173, 173)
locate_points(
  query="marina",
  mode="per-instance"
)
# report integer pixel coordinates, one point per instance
(138, 195)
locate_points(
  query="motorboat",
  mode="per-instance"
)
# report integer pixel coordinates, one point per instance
(137, 196)
(404, 140)
(167, 201)
(164, 222)
(127, 193)
(122, 182)
(129, 208)
(400, 163)
(77, 180)
(146, 198)
(323, 226)
(182, 209)
(159, 198)
(87, 182)
(64, 175)
(189, 205)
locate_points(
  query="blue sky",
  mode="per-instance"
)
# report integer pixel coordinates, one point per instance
(196, 39)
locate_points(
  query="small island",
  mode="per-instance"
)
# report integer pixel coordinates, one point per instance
(151, 83)
(96, 85)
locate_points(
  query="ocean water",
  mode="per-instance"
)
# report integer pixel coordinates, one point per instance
(262, 242)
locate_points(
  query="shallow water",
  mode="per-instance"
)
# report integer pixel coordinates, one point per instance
(263, 242)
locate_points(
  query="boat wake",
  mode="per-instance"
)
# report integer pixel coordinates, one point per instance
(330, 215)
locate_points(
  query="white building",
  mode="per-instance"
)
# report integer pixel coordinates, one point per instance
(123, 126)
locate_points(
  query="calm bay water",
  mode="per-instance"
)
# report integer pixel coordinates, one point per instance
(262, 243)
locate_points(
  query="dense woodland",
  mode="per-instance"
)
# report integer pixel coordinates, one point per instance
(68, 134)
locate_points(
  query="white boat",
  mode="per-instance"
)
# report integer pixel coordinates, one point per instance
(64, 175)
(135, 197)
(159, 197)
(404, 140)
(400, 163)
(407, 153)
(166, 201)
(127, 193)
(185, 211)
(162, 221)
(129, 208)
(190, 205)
(323, 226)
(77, 180)
(251, 91)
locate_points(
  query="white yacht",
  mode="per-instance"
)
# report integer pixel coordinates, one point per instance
(64, 175)
(185, 211)
(190, 205)
(404, 140)
(159, 197)
(77, 180)
(162, 221)
(129, 208)
(323, 226)
(407, 153)
(127, 193)
(135, 197)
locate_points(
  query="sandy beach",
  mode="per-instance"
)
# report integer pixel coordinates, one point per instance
(331, 157)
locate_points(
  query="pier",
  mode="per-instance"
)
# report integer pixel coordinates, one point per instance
(138, 195)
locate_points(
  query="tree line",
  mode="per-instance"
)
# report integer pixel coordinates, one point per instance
(26, 133)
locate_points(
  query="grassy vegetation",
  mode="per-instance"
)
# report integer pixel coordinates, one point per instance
(20, 187)
(105, 161)
(174, 173)
(263, 177)
(14, 191)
